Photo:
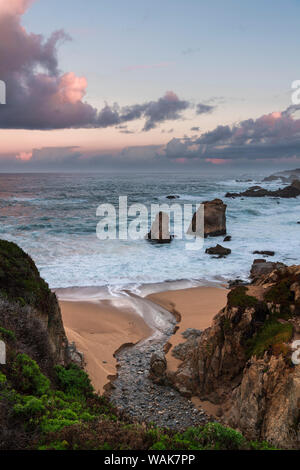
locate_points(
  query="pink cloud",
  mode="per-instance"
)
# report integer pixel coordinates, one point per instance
(24, 156)
(71, 88)
(14, 7)
(218, 161)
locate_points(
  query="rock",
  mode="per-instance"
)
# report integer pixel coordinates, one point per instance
(256, 191)
(261, 267)
(266, 402)
(173, 197)
(191, 333)
(254, 382)
(266, 253)
(237, 283)
(296, 184)
(76, 356)
(275, 178)
(227, 239)
(20, 280)
(160, 230)
(158, 367)
(218, 250)
(180, 350)
(214, 214)
(284, 176)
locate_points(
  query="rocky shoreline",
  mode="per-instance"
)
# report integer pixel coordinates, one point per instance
(136, 395)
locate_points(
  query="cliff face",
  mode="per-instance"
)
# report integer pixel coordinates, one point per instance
(244, 359)
(29, 308)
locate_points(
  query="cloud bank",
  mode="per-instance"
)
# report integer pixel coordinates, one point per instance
(40, 96)
(271, 136)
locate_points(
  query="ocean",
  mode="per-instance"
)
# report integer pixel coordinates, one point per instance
(53, 218)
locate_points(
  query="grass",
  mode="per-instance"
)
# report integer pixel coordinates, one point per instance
(273, 335)
(238, 298)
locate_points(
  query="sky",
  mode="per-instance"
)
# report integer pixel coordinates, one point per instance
(161, 84)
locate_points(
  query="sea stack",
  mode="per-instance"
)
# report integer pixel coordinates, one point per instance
(214, 220)
(160, 230)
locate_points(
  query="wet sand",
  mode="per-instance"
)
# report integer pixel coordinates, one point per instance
(194, 308)
(99, 329)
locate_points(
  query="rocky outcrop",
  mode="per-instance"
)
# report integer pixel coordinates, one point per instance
(214, 223)
(290, 191)
(261, 267)
(160, 230)
(284, 176)
(266, 403)
(218, 250)
(243, 362)
(22, 289)
(264, 253)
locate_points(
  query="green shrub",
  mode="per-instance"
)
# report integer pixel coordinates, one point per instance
(3, 379)
(237, 297)
(280, 293)
(55, 424)
(215, 436)
(28, 377)
(32, 407)
(74, 381)
(7, 335)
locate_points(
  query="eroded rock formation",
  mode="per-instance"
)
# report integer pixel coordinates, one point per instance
(209, 220)
(243, 362)
(160, 230)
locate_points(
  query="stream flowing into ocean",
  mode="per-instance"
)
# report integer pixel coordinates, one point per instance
(53, 218)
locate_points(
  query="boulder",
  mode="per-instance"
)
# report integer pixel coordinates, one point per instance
(218, 250)
(261, 267)
(214, 214)
(160, 230)
(264, 252)
(75, 356)
(237, 283)
(227, 239)
(158, 367)
(290, 191)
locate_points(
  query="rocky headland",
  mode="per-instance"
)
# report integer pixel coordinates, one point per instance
(290, 191)
(243, 362)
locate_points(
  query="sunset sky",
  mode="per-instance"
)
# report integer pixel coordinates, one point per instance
(172, 83)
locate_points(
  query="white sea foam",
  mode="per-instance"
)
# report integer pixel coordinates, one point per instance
(60, 231)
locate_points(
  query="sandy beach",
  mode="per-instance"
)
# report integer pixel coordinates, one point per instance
(99, 329)
(195, 308)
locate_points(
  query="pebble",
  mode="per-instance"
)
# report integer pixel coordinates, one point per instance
(136, 395)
